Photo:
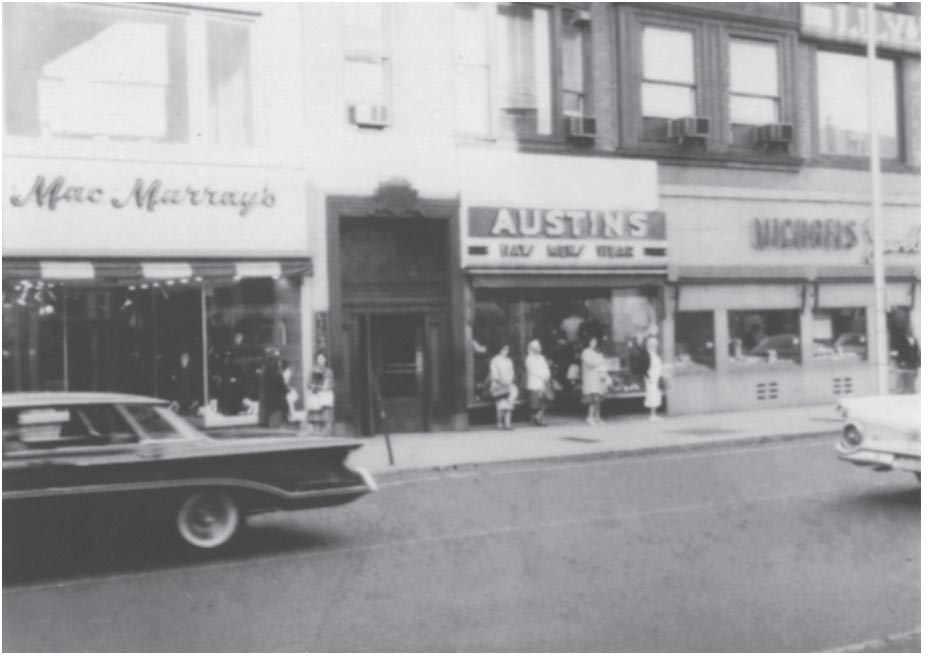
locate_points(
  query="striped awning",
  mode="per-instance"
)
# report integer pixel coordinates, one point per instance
(131, 272)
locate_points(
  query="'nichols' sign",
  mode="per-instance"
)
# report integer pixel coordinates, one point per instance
(142, 195)
(899, 238)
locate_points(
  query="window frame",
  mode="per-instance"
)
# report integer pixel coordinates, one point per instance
(854, 161)
(197, 83)
(384, 60)
(712, 36)
(558, 136)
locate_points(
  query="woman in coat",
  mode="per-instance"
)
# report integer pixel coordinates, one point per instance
(537, 382)
(593, 375)
(320, 401)
(273, 408)
(652, 380)
(502, 387)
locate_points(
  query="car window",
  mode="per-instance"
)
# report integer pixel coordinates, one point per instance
(159, 423)
(58, 427)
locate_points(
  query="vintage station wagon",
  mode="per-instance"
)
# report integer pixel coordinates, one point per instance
(81, 450)
(882, 432)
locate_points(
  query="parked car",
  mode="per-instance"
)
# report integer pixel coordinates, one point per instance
(882, 432)
(78, 452)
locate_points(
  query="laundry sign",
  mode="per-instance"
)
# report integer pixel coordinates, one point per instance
(564, 237)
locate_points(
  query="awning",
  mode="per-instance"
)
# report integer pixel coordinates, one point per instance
(112, 272)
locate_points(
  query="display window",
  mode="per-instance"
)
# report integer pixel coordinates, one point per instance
(199, 345)
(759, 337)
(694, 348)
(563, 321)
(840, 335)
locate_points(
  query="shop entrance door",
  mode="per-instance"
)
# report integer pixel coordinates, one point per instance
(393, 373)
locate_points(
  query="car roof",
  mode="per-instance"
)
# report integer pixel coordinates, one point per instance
(29, 399)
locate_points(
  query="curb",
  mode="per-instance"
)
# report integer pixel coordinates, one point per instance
(390, 473)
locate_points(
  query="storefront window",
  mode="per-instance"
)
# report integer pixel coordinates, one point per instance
(902, 337)
(695, 341)
(840, 334)
(564, 320)
(33, 346)
(764, 336)
(243, 321)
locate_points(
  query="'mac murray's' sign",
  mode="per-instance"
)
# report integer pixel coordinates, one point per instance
(49, 194)
(530, 237)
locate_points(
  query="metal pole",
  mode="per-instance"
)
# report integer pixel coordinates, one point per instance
(876, 201)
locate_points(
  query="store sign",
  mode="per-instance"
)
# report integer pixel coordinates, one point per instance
(514, 236)
(898, 239)
(804, 234)
(847, 23)
(50, 192)
(57, 206)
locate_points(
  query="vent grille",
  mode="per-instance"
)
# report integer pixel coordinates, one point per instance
(842, 386)
(768, 391)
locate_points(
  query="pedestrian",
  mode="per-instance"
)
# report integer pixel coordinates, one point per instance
(181, 382)
(653, 380)
(537, 382)
(594, 375)
(502, 387)
(908, 360)
(272, 396)
(320, 402)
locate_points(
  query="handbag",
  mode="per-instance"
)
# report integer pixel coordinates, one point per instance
(547, 392)
(313, 402)
(499, 390)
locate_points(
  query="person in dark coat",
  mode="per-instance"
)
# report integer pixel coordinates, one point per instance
(181, 384)
(908, 360)
(273, 408)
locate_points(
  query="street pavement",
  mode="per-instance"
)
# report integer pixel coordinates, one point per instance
(571, 437)
(758, 547)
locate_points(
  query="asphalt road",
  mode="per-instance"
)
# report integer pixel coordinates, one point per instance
(773, 548)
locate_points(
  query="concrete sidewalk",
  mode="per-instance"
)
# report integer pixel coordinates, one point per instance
(572, 438)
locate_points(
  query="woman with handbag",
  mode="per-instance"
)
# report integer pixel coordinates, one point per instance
(594, 381)
(502, 387)
(537, 382)
(320, 401)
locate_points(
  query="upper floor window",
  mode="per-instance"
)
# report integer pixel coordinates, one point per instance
(843, 111)
(366, 54)
(90, 71)
(668, 84)
(754, 84)
(520, 68)
(524, 69)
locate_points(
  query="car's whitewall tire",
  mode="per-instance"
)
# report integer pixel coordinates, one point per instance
(207, 520)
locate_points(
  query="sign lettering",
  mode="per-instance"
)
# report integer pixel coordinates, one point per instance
(804, 234)
(143, 195)
(847, 22)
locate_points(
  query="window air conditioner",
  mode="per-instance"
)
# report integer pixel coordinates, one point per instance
(775, 133)
(580, 127)
(580, 17)
(369, 116)
(688, 128)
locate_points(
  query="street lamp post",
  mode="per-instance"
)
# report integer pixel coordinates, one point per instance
(876, 203)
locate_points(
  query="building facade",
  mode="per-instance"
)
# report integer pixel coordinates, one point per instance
(407, 187)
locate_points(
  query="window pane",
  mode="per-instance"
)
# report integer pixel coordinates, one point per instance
(473, 99)
(754, 111)
(524, 34)
(668, 55)
(77, 70)
(843, 110)
(470, 33)
(364, 27)
(840, 334)
(667, 101)
(229, 83)
(365, 83)
(695, 345)
(763, 337)
(754, 68)
(575, 39)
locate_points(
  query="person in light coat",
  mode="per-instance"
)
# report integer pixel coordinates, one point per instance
(503, 387)
(652, 380)
(594, 376)
(537, 382)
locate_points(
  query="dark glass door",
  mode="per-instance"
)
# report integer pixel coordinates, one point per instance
(393, 373)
